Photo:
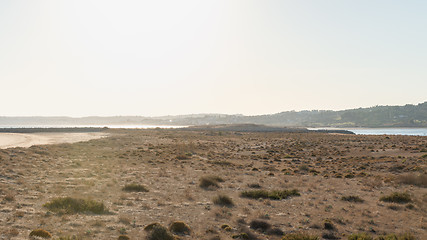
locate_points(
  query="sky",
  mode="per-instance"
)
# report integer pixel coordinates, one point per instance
(152, 58)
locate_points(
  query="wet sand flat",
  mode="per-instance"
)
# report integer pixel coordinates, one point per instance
(9, 140)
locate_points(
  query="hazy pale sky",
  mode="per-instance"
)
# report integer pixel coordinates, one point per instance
(151, 58)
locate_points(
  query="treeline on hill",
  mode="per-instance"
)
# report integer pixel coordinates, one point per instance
(378, 116)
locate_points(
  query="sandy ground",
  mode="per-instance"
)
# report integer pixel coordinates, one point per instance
(323, 168)
(8, 140)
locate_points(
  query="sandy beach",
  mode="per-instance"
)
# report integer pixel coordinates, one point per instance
(9, 140)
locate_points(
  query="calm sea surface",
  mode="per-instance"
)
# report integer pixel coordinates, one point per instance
(90, 126)
(360, 131)
(390, 131)
(384, 131)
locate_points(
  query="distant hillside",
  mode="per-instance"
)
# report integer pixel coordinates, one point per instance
(378, 116)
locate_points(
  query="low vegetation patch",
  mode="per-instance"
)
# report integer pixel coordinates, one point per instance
(222, 163)
(223, 200)
(41, 233)
(70, 205)
(410, 179)
(123, 237)
(392, 236)
(134, 188)
(397, 198)
(274, 194)
(351, 198)
(300, 236)
(74, 237)
(360, 236)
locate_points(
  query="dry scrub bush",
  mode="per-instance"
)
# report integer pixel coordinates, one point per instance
(70, 238)
(223, 200)
(397, 198)
(260, 225)
(355, 199)
(275, 194)
(134, 188)
(151, 226)
(41, 233)
(70, 205)
(392, 236)
(160, 232)
(179, 227)
(210, 182)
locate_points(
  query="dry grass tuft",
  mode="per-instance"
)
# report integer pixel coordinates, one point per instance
(416, 180)
(41, 233)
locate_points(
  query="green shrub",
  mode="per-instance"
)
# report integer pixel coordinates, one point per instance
(41, 233)
(70, 205)
(360, 236)
(397, 198)
(392, 236)
(275, 194)
(123, 237)
(355, 199)
(299, 236)
(134, 188)
(223, 200)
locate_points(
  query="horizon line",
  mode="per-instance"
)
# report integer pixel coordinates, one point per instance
(189, 114)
